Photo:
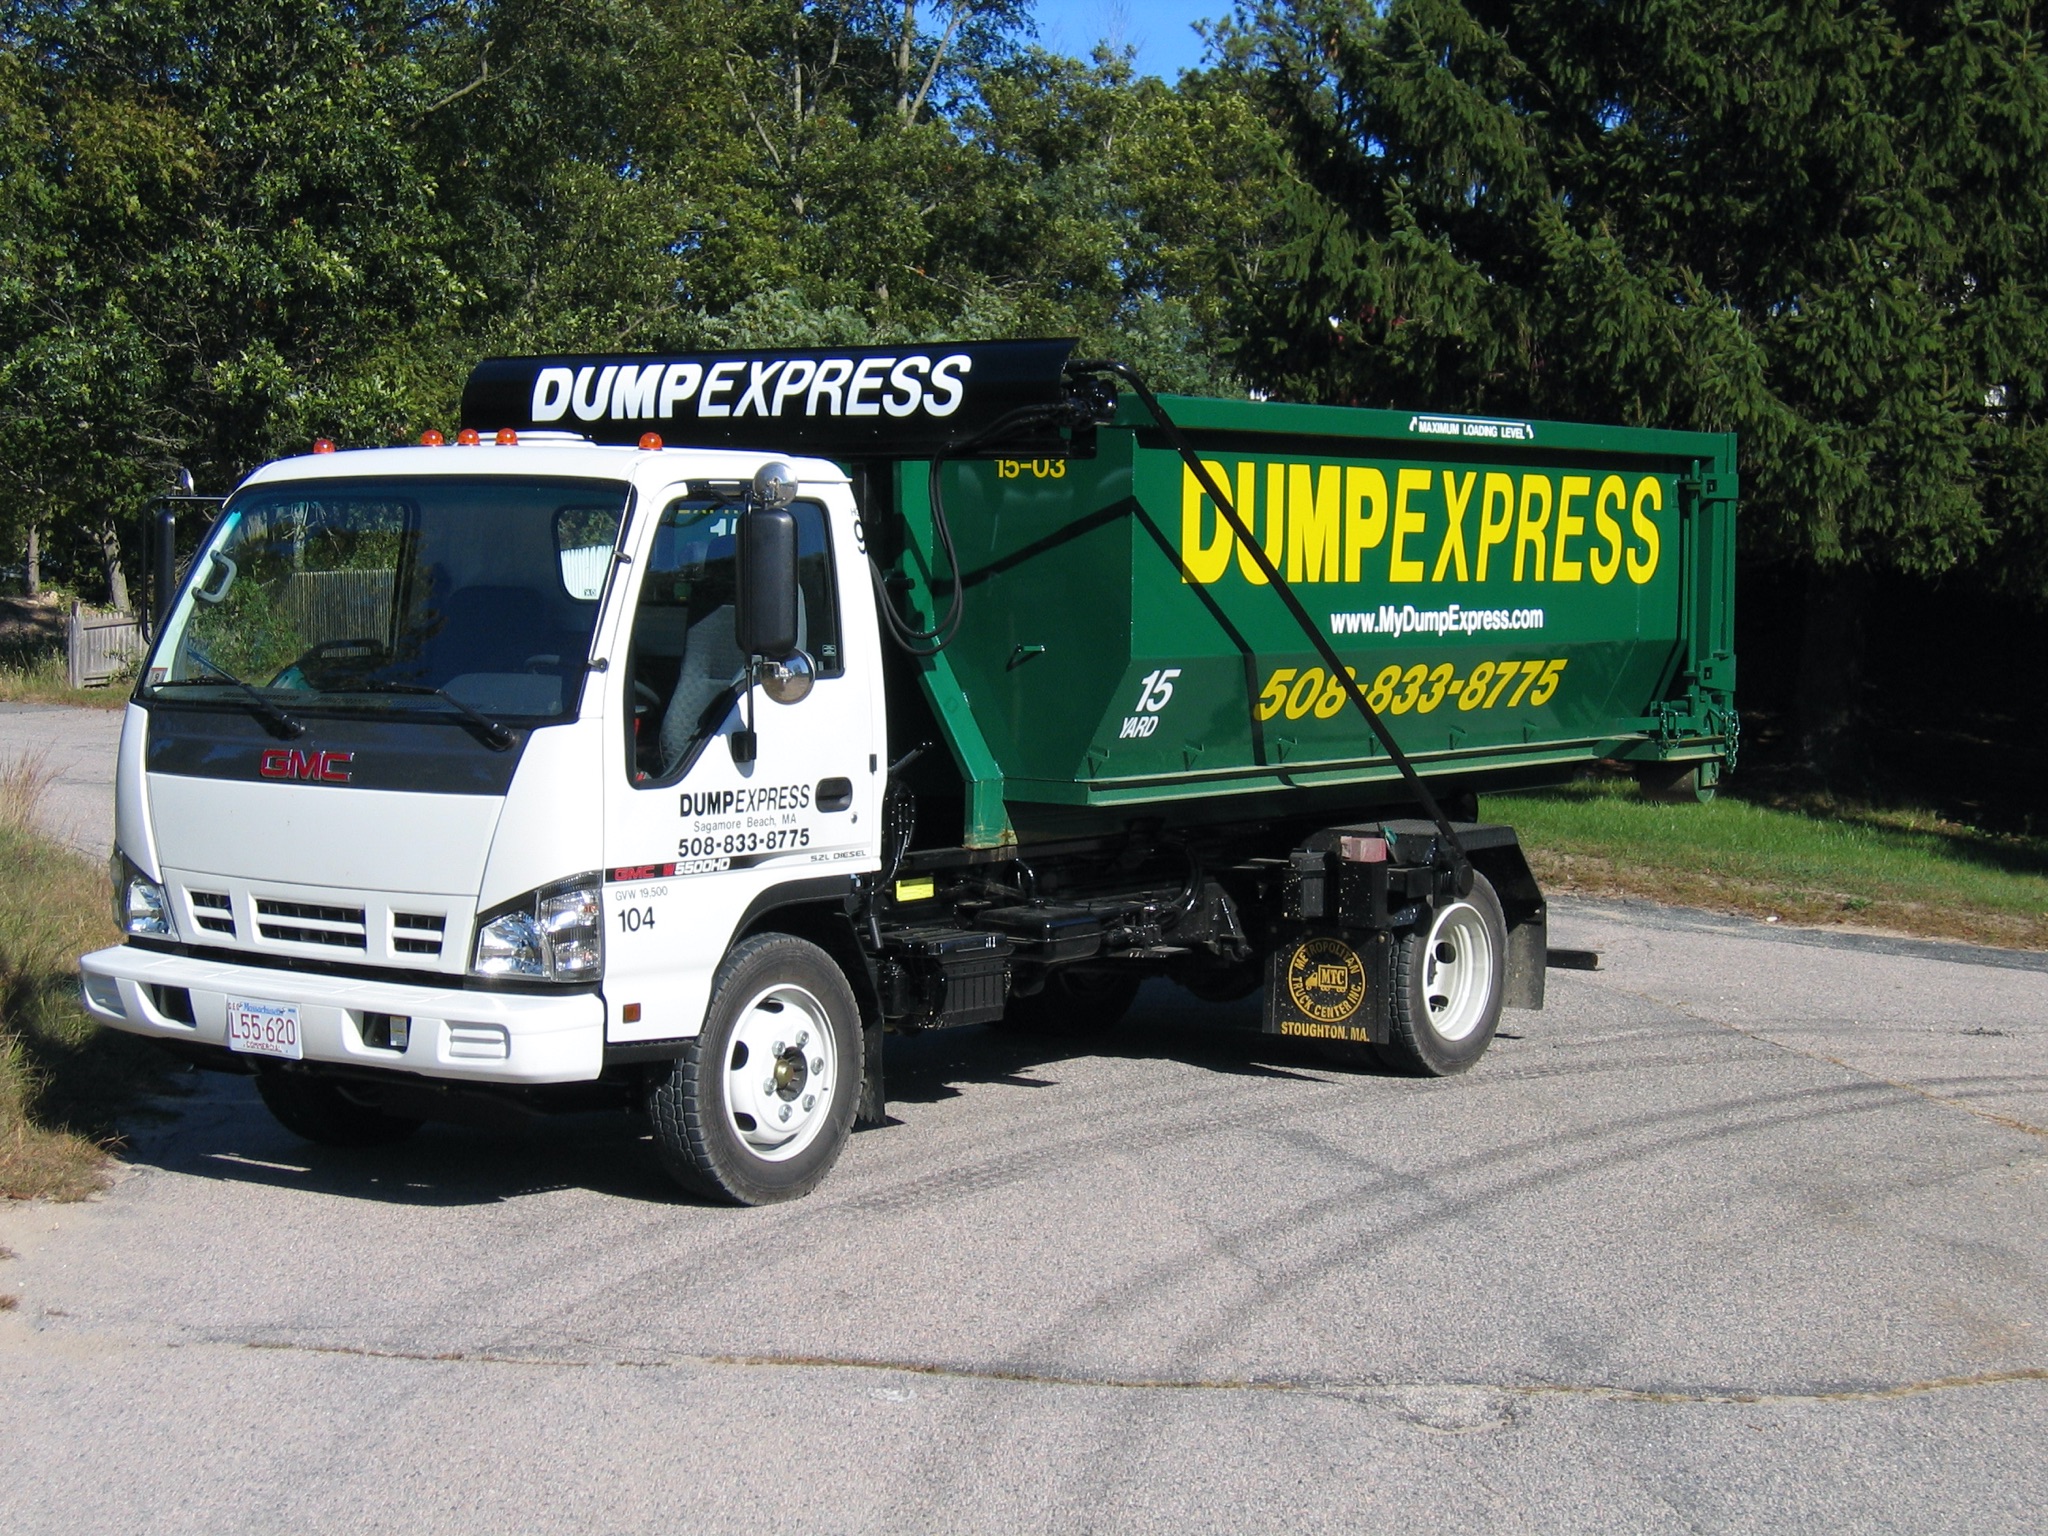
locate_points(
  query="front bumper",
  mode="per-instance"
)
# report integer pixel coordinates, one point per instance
(456, 1035)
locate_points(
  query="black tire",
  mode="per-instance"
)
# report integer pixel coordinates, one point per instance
(716, 1125)
(321, 1111)
(1073, 1004)
(1447, 994)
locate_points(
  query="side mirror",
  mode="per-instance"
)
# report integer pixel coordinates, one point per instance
(767, 617)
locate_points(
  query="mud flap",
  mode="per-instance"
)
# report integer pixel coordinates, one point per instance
(873, 1108)
(1329, 987)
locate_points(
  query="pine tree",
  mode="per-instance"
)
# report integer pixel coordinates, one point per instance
(1821, 225)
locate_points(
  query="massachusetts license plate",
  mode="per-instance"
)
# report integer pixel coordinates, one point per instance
(264, 1029)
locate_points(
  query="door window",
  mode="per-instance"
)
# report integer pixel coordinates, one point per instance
(686, 666)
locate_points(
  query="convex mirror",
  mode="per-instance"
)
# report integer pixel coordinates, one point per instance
(788, 681)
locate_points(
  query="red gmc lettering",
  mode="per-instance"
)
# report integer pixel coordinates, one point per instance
(291, 763)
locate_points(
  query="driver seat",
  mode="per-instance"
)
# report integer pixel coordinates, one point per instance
(711, 664)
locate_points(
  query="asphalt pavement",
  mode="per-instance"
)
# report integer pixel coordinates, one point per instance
(72, 752)
(1744, 1232)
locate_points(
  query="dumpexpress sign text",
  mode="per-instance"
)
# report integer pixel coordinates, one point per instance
(850, 402)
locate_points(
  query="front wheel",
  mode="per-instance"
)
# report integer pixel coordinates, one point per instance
(1449, 973)
(761, 1105)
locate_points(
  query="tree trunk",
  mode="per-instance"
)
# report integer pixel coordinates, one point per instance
(1828, 713)
(904, 59)
(110, 558)
(33, 564)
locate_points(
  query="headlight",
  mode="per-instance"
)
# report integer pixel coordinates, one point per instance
(139, 902)
(553, 934)
(572, 922)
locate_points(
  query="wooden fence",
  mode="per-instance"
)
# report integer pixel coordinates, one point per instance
(100, 644)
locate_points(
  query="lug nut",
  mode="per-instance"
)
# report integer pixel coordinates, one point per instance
(810, 1100)
(785, 1112)
(817, 1063)
(768, 1085)
(775, 1049)
(803, 1039)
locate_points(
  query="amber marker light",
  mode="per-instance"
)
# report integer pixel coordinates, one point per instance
(650, 442)
(507, 438)
(323, 445)
(431, 438)
(467, 438)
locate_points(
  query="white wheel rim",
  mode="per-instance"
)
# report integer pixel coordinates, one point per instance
(781, 1073)
(1457, 971)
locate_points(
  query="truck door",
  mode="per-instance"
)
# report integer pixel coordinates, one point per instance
(695, 839)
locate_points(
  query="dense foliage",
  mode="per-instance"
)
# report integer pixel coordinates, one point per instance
(228, 225)
(1822, 226)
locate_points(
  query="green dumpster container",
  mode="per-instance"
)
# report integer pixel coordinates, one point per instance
(1518, 599)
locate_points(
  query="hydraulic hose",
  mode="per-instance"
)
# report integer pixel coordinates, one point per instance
(929, 642)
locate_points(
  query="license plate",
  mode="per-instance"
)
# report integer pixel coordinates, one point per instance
(264, 1029)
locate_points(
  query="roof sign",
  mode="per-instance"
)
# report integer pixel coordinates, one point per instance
(847, 403)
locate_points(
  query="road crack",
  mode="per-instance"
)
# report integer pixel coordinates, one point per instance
(1354, 1389)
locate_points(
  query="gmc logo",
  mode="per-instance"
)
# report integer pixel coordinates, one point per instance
(314, 767)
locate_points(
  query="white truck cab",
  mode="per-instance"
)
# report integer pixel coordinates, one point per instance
(431, 747)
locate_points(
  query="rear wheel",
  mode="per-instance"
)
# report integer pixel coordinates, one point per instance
(760, 1107)
(1073, 1004)
(1449, 973)
(327, 1113)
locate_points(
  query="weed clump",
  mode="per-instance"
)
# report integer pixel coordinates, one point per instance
(63, 1081)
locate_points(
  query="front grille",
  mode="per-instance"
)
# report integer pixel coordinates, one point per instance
(417, 933)
(298, 922)
(212, 911)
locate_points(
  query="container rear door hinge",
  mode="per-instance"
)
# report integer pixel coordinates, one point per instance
(1705, 488)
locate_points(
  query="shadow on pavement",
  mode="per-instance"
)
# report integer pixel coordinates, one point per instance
(1166, 1024)
(220, 1130)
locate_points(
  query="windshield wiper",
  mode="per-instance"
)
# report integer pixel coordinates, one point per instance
(289, 724)
(496, 736)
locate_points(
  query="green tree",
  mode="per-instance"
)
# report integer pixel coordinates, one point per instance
(1821, 225)
(220, 241)
(228, 226)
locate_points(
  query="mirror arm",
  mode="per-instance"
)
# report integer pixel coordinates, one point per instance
(744, 743)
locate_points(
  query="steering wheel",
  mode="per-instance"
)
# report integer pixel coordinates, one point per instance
(335, 661)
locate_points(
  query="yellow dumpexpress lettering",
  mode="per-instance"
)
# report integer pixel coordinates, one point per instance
(1321, 520)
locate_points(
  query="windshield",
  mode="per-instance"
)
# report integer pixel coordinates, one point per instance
(391, 594)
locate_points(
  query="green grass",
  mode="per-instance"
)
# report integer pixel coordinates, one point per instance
(38, 676)
(1806, 859)
(64, 1082)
